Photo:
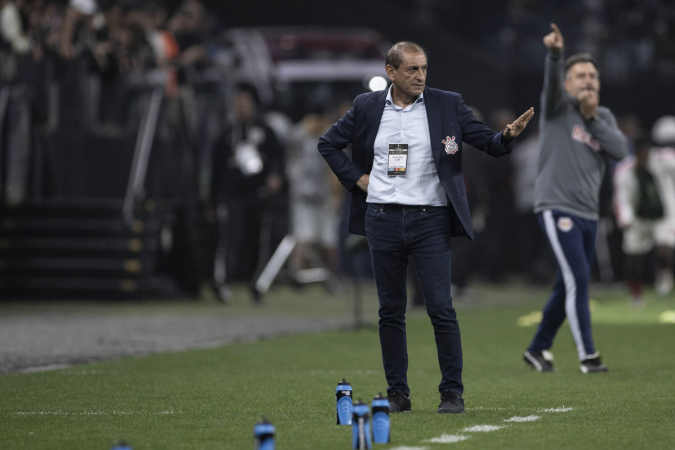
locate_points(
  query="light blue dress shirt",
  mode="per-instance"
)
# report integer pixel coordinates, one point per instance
(420, 185)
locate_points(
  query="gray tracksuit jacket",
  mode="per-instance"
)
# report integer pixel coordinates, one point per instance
(571, 163)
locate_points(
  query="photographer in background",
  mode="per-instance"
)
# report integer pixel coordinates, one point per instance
(247, 168)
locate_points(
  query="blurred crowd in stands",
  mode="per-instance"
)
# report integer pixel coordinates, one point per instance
(115, 37)
(629, 38)
(244, 167)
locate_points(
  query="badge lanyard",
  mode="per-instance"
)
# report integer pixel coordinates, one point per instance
(397, 157)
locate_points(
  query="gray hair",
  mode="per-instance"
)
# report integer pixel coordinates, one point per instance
(395, 53)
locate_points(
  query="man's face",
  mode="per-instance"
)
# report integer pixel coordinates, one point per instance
(582, 78)
(244, 106)
(411, 74)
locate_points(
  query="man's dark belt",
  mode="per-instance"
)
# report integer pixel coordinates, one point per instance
(392, 207)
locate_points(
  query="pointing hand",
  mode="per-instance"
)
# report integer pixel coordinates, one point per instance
(554, 40)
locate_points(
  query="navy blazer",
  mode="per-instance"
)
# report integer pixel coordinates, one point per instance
(448, 117)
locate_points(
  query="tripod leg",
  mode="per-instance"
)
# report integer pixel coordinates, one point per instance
(275, 264)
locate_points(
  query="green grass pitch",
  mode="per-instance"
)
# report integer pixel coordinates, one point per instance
(210, 399)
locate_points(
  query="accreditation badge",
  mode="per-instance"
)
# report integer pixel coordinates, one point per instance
(397, 160)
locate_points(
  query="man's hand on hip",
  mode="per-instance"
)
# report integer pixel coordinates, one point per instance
(514, 129)
(363, 182)
(554, 40)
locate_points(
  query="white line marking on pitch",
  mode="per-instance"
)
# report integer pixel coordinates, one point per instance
(487, 408)
(448, 439)
(523, 419)
(91, 413)
(482, 428)
(499, 408)
(410, 448)
(87, 372)
(454, 438)
(561, 409)
(44, 368)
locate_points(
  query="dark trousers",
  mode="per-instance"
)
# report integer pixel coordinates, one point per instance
(573, 242)
(239, 223)
(395, 234)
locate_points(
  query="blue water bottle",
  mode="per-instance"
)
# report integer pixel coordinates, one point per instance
(343, 403)
(263, 432)
(361, 427)
(381, 424)
(121, 445)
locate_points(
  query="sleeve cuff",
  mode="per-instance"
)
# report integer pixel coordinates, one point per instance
(507, 145)
(555, 57)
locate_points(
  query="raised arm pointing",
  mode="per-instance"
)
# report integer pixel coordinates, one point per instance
(554, 40)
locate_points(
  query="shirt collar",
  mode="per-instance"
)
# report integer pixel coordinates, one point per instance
(390, 101)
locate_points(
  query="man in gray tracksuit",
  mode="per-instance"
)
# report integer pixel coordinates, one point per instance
(576, 134)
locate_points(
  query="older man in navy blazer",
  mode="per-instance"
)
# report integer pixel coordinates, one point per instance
(408, 197)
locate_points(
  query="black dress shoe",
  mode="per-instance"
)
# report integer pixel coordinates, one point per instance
(451, 403)
(398, 401)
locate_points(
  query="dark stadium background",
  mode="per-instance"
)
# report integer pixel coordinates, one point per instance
(491, 52)
(113, 324)
(464, 44)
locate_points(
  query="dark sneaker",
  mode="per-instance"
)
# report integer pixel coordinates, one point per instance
(592, 364)
(540, 361)
(451, 403)
(398, 401)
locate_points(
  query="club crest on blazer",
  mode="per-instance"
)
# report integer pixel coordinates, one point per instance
(451, 146)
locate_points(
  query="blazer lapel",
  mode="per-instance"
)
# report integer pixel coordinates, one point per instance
(435, 119)
(373, 119)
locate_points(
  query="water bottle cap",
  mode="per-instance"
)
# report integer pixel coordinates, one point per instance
(358, 402)
(263, 421)
(378, 396)
(263, 427)
(121, 445)
(344, 382)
